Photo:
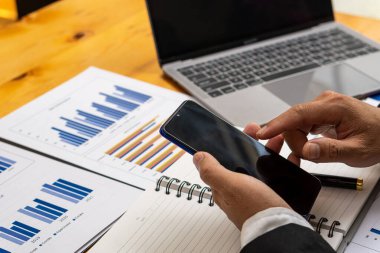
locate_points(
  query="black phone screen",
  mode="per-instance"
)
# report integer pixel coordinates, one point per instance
(194, 128)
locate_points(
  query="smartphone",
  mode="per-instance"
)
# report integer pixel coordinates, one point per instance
(194, 128)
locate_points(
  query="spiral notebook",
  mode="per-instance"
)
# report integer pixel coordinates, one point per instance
(336, 209)
(177, 216)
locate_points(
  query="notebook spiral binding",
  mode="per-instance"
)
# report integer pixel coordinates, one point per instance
(320, 223)
(183, 187)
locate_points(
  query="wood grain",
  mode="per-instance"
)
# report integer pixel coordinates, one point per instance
(42, 35)
(367, 26)
(50, 46)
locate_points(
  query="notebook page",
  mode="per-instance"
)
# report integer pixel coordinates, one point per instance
(165, 223)
(338, 204)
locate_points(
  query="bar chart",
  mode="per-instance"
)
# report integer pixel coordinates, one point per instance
(145, 147)
(93, 121)
(6, 163)
(108, 108)
(43, 211)
(50, 206)
(66, 190)
(18, 233)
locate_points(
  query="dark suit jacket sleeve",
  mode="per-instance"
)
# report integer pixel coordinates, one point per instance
(291, 238)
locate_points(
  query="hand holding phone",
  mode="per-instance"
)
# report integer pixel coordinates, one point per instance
(194, 128)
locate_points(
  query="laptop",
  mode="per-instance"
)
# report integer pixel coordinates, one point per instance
(250, 60)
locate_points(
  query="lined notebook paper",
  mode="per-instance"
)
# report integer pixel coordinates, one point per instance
(165, 223)
(336, 204)
(341, 205)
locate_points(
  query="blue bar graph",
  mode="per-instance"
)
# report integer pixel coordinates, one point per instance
(70, 138)
(5, 163)
(95, 120)
(120, 103)
(133, 95)
(100, 114)
(4, 251)
(43, 211)
(81, 128)
(108, 111)
(19, 233)
(376, 231)
(66, 190)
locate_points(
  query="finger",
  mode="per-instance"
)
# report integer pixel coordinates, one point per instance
(251, 129)
(326, 94)
(218, 199)
(211, 171)
(275, 143)
(328, 150)
(294, 159)
(300, 117)
(296, 141)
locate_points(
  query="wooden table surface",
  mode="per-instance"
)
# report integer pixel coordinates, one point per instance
(52, 45)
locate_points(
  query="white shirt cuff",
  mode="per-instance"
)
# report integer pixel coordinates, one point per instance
(267, 220)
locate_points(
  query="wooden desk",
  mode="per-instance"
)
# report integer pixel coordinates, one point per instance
(49, 47)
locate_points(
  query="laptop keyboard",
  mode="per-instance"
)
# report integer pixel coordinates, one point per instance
(239, 71)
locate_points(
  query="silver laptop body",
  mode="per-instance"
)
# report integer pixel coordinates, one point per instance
(258, 81)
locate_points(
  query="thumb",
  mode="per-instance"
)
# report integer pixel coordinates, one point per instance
(210, 170)
(327, 150)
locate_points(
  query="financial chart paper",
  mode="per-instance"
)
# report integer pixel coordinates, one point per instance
(103, 122)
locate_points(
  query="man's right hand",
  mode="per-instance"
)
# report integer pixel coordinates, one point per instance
(350, 129)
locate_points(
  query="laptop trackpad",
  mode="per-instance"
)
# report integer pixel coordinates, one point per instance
(341, 78)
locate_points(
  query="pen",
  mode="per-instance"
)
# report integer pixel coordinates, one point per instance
(340, 182)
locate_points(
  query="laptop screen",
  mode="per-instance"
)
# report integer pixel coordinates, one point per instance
(189, 28)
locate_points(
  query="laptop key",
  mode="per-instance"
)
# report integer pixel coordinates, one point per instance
(354, 46)
(228, 90)
(240, 86)
(186, 69)
(233, 73)
(212, 72)
(205, 82)
(373, 49)
(215, 93)
(283, 66)
(254, 82)
(246, 70)
(199, 69)
(271, 69)
(260, 73)
(215, 86)
(235, 80)
(290, 71)
(222, 77)
(186, 72)
(248, 76)
(197, 77)
(235, 66)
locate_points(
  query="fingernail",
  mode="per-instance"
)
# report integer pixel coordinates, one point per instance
(261, 131)
(314, 151)
(198, 157)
